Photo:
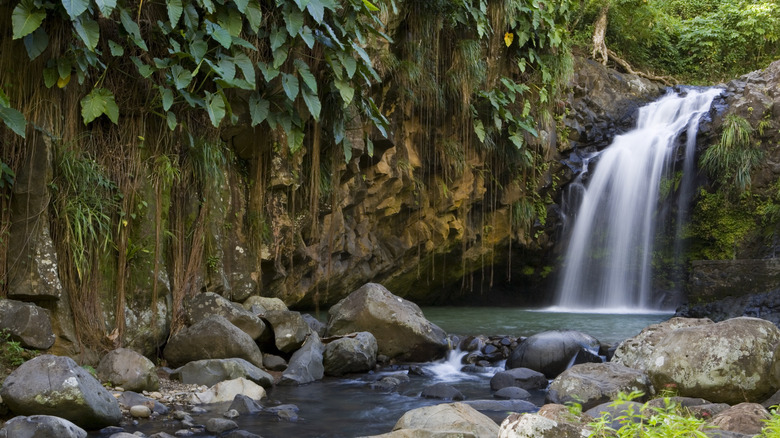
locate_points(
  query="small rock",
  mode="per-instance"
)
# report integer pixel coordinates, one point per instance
(140, 411)
(442, 391)
(512, 393)
(220, 425)
(231, 413)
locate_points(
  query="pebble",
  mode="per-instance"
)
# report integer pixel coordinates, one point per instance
(140, 411)
(219, 425)
(232, 413)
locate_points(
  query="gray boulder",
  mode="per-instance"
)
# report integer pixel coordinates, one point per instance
(592, 384)
(552, 351)
(305, 364)
(525, 378)
(442, 391)
(290, 329)
(315, 324)
(128, 399)
(54, 385)
(41, 426)
(502, 405)
(206, 304)
(512, 393)
(211, 338)
(350, 354)
(636, 352)
(536, 426)
(27, 324)
(212, 371)
(400, 329)
(265, 303)
(128, 369)
(727, 362)
(448, 419)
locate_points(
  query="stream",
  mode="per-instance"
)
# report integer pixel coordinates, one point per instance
(350, 407)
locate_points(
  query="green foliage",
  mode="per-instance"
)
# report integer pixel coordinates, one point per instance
(771, 427)
(731, 161)
(12, 354)
(287, 57)
(650, 422)
(86, 199)
(12, 118)
(720, 225)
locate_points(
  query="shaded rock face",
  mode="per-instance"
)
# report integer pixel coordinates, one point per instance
(350, 354)
(212, 338)
(128, 369)
(551, 352)
(400, 329)
(595, 383)
(55, 385)
(305, 365)
(41, 426)
(27, 324)
(636, 352)
(730, 361)
(289, 328)
(212, 371)
(206, 304)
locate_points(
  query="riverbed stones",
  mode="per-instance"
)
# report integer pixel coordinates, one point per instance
(354, 353)
(128, 369)
(400, 329)
(289, 328)
(207, 304)
(525, 378)
(551, 352)
(55, 385)
(729, 362)
(305, 364)
(27, 324)
(447, 419)
(442, 391)
(41, 426)
(636, 352)
(591, 384)
(212, 371)
(220, 425)
(211, 338)
(512, 393)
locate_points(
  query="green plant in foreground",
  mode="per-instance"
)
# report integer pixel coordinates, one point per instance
(12, 352)
(648, 421)
(772, 425)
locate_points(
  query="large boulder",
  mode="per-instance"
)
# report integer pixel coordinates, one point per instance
(525, 378)
(264, 303)
(536, 426)
(211, 338)
(55, 385)
(290, 329)
(128, 369)
(551, 352)
(206, 304)
(400, 329)
(746, 418)
(591, 384)
(350, 354)
(729, 362)
(452, 419)
(27, 324)
(212, 371)
(636, 352)
(41, 426)
(305, 364)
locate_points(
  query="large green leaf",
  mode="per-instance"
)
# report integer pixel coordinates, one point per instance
(88, 30)
(215, 106)
(36, 43)
(131, 27)
(232, 21)
(106, 6)
(258, 108)
(75, 8)
(269, 72)
(306, 75)
(181, 76)
(219, 33)
(98, 102)
(317, 10)
(346, 91)
(13, 119)
(308, 36)
(293, 22)
(167, 98)
(241, 5)
(175, 10)
(254, 14)
(25, 18)
(116, 49)
(290, 85)
(277, 38)
(247, 68)
(312, 103)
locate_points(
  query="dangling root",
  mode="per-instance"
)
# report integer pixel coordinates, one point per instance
(666, 80)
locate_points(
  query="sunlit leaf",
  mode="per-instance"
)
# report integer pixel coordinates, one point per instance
(98, 102)
(254, 14)
(508, 37)
(215, 106)
(293, 22)
(25, 18)
(181, 76)
(479, 129)
(346, 91)
(88, 30)
(371, 7)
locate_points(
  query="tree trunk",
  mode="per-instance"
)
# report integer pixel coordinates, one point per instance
(599, 33)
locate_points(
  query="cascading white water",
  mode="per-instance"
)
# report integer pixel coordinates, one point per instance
(608, 261)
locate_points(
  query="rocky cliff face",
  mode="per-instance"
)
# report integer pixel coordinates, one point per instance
(393, 217)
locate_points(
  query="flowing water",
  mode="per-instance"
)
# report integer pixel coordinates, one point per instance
(608, 261)
(349, 407)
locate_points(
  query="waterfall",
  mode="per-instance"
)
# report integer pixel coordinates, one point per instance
(607, 266)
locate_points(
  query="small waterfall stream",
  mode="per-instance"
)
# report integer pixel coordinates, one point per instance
(608, 261)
